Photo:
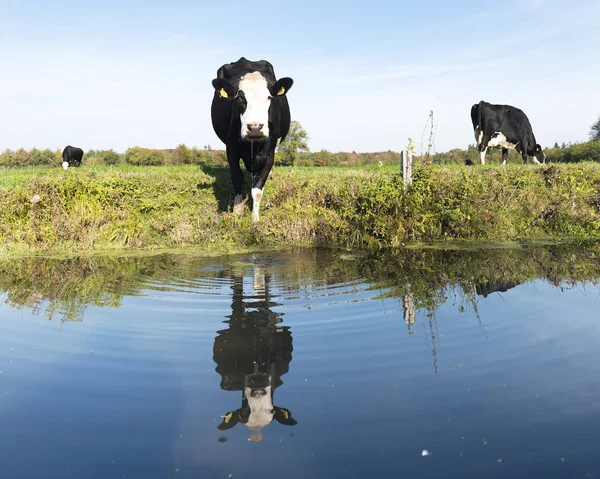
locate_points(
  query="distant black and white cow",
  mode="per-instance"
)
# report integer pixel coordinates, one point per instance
(71, 156)
(504, 126)
(251, 115)
(252, 355)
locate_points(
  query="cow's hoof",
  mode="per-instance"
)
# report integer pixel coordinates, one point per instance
(239, 209)
(255, 217)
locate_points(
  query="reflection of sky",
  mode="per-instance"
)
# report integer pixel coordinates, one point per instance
(521, 386)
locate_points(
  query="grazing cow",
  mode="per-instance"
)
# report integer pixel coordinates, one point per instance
(251, 115)
(504, 126)
(71, 156)
(251, 356)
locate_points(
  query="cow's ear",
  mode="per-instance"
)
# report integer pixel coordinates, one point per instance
(538, 148)
(282, 86)
(229, 421)
(223, 88)
(283, 416)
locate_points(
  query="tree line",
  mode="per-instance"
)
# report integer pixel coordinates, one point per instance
(294, 151)
(183, 155)
(565, 153)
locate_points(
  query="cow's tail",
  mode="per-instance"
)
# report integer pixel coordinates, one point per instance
(476, 119)
(476, 115)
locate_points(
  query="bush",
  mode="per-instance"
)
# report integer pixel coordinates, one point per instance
(182, 155)
(155, 158)
(101, 157)
(142, 157)
(588, 151)
(41, 157)
(111, 158)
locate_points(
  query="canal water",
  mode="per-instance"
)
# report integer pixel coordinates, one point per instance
(303, 363)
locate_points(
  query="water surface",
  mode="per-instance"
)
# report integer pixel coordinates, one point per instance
(306, 363)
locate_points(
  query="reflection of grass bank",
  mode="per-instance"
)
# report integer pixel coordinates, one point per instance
(64, 288)
(155, 207)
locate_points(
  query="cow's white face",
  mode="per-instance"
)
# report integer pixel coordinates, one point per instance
(65, 165)
(261, 409)
(254, 90)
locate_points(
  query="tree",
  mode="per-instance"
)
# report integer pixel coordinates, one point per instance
(182, 155)
(595, 130)
(294, 143)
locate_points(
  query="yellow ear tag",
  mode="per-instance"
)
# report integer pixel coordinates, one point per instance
(285, 413)
(223, 93)
(281, 92)
(230, 415)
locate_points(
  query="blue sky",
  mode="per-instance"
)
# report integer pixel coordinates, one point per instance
(118, 74)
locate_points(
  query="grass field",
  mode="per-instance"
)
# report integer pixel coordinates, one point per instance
(95, 209)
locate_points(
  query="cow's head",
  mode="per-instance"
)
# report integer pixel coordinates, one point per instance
(539, 154)
(257, 409)
(252, 101)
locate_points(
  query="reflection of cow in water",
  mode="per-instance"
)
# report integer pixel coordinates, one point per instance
(251, 355)
(497, 286)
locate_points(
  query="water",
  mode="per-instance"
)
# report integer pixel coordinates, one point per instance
(421, 364)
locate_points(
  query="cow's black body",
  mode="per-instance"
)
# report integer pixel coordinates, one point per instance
(72, 155)
(491, 122)
(258, 156)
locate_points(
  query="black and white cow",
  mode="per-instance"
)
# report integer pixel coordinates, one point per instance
(251, 115)
(504, 126)
(251, 356)
(71, 156)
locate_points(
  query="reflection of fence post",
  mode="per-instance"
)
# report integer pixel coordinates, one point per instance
(410, 311)
(406, 159)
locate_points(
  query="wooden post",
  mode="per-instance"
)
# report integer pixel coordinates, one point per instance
(406, 159)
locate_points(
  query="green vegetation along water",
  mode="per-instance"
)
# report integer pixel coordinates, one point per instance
(99, 209)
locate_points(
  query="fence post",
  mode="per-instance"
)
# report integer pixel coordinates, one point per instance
(406, 159)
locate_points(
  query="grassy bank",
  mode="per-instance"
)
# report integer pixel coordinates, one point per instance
(103, 208)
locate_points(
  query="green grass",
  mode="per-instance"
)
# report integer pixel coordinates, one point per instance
(95, 209)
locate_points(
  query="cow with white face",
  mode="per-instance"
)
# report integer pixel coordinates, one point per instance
(71, 157)
(252, 355)
(506, 127)
(251, 115)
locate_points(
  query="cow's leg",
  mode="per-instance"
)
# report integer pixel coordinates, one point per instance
(482, 152)
(258, 183)
(237, 178)
(504, 156)
(482, 144)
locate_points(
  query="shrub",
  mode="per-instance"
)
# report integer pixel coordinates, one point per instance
(588, 151)
(182, 155)
(41, 157)
(111, 158)
(143, 157)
